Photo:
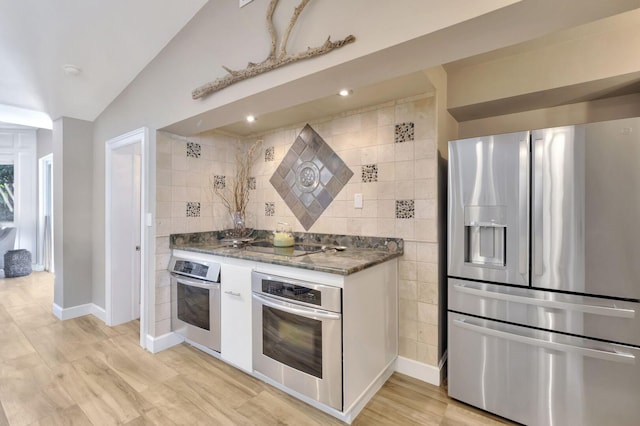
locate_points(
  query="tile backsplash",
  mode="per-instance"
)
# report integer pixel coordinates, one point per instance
(391, 150)
(310, 177)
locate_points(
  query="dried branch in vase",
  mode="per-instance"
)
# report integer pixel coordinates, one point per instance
(235, 195)
(274, 60)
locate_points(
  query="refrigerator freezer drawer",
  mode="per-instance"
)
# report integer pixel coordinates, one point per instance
(595, 317)
(541, 378)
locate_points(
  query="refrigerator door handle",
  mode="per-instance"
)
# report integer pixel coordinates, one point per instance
(609, 311)
(538, 211)
(523, 208)
(612, 355)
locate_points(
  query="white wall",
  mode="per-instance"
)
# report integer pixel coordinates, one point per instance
(45, 142)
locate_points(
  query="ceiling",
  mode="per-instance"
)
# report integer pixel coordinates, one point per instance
(397, 88)
(418, 83)
(34, 48)
(111, 41)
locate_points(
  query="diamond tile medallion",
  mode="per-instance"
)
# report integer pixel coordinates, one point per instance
(310, 176)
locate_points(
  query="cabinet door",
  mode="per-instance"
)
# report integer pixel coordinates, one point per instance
(235, 303)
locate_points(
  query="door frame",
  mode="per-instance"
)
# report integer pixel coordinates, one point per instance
(43, 179)
(141, 136)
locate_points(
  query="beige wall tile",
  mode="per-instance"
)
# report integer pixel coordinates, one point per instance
(427, 333)
(427, 292)
(408, 329)
(410, 251)
(426, 230)
(163, 295)
(427, 353)
(427, 272)
(408, 310)
(407, 270)
(427, 313)
(425, 209)
(163, 311)
(426, 189)
(427, 252)
(407, 348)
(408, 290)
(404, 190)
(406, 171)
(163, 327)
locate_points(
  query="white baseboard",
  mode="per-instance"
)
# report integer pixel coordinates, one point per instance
(79, 311)
(352, 412)
(418, 370)
(160, 343)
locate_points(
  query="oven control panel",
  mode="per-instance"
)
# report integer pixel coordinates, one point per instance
(191, 268)
(207, 271)
(292, 292)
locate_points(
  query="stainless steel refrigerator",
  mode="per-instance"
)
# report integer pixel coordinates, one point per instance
(544, 274)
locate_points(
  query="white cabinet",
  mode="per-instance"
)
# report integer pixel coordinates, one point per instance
(235, 315)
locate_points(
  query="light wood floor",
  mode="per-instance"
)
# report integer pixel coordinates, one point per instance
(81, 372)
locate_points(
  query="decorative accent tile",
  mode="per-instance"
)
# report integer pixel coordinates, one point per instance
(269, 154)
(369, 173)
(310, 176)
(269, 208)
(404, 132)
(219, 182)
(405, 209)
(252, 183)
(194, 150)
(193, 209)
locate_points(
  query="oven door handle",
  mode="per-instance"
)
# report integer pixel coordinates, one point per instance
(303, 312)
(195, 283)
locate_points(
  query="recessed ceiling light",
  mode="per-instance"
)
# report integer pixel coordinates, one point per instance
(70, 69)
(251, 118)
(344, 92)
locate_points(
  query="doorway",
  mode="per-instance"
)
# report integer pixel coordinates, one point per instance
(125, 178)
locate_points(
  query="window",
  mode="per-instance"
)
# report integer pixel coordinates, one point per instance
(6, 193)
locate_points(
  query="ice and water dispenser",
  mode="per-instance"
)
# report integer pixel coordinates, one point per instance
(485, 235)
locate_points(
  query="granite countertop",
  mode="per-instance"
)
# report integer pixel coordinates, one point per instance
(359, 253)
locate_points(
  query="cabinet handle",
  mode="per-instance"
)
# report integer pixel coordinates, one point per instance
(232, 293)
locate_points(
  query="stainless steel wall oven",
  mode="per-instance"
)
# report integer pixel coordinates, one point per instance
(297, 336)
(195, 301)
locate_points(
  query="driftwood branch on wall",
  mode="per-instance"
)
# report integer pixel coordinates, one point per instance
(278, 56)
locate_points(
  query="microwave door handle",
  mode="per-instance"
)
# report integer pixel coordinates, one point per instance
(303, 312)
(612, 355)
(609, 311)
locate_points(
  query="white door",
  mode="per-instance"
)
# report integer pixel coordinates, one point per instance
(125, 233)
